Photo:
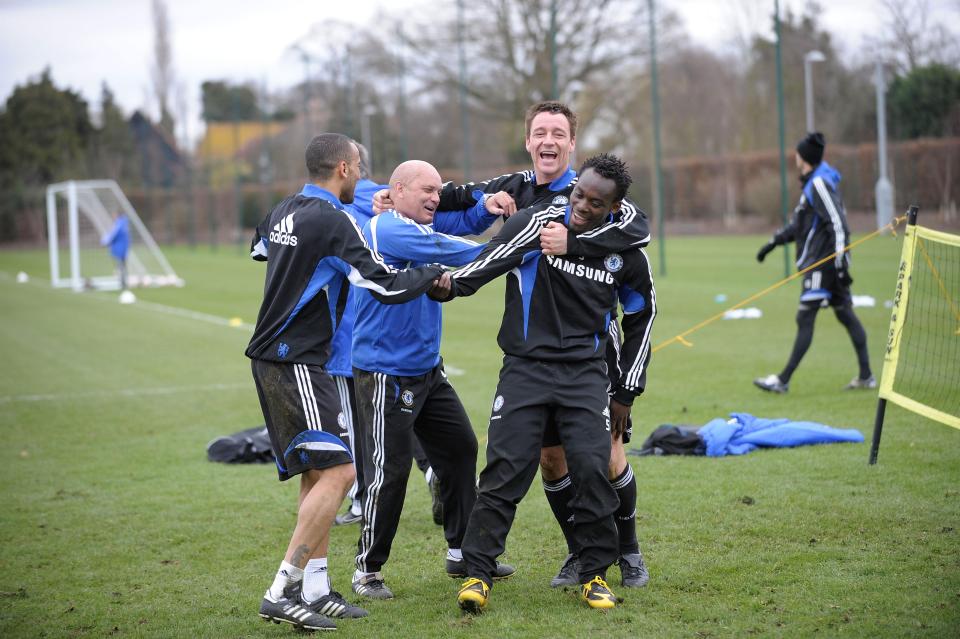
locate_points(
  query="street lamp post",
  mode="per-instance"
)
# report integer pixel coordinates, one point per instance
(883, 189)
(808, 60)
(305, 57)
(365, 132)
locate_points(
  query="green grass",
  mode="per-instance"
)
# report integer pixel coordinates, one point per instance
(112, 522)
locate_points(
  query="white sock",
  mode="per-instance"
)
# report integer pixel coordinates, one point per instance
(454, 554)
(356, 507)
(359, 574)
(428, 475)
(316, 581)
(287, 574)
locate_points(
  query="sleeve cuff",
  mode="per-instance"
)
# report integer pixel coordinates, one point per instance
(625, 396)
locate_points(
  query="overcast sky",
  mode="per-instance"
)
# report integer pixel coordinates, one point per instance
(87, 42)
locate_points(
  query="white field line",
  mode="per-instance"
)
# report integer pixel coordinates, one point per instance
(148, 306)
(124, 392)
(202, 317)
(196, 315)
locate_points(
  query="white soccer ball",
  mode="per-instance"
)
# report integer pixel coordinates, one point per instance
(22, 278)
(127, 297)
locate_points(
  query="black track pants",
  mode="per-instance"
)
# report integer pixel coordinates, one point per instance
(392, 409)
(529, 394)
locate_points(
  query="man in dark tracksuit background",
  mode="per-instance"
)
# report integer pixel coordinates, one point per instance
(554, 332)
(819, 228)
(312, 247)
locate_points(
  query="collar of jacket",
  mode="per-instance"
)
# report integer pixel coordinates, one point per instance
(561, 182)
(312, 190)
(824, 171)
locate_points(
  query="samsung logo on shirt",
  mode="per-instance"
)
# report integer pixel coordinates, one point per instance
(580, 270)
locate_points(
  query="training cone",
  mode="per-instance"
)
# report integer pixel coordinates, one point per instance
(127, 297)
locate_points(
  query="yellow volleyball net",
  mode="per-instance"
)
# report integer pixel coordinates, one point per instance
(921, 365)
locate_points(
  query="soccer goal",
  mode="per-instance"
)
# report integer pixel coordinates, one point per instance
(79, 215)
(921, 364)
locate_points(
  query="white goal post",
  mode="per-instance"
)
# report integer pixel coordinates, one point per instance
(89, 216)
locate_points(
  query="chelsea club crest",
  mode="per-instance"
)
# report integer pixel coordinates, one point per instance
(613, 262)
(407, 397)
(560, 200)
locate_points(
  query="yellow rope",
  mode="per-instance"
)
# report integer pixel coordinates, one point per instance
(682, 336)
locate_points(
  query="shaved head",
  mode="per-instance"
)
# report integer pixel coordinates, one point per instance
(410, 170)
(415, 190)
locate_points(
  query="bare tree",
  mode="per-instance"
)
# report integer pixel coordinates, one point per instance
(912, 39)
(164, 81)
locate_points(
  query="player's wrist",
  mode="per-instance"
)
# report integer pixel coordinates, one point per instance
(624, 396)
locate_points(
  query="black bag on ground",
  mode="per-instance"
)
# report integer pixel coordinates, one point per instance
(251, 446)
(668, 439)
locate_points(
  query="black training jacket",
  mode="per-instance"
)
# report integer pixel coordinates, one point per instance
(314, 248)
(559, 308)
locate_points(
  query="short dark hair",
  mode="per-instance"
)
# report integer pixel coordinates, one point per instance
(612, 168)
(551, 106)
(325, 152)
(364, 161)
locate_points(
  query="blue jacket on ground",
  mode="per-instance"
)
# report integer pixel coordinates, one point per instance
(744, 433)
(118, 239)
(404, 339)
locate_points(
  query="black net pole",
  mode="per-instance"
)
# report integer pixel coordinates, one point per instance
(882, 403)
(877, 428)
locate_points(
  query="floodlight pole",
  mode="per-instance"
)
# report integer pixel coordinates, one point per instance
(657, 169)
(554, 81)
(402, 103)
(464, 114)
(884, 190)
(305, 58)
(808, 60)
(783, 156)
(365, 132)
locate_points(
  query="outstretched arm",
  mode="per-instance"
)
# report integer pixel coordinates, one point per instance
(405, 240)
(639, 301)
(367, 269)
(518, 237)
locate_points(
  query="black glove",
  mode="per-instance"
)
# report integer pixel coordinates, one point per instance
(764, 250)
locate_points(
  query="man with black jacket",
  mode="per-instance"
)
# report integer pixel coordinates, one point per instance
(314, 247)
(555, 327)
(550, 139)
(819, 228)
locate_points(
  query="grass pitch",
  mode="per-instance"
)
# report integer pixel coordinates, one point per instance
(114, 524)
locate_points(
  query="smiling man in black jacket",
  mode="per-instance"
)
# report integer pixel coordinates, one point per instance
(554, 332)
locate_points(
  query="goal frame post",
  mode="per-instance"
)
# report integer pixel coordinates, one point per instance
(76, 281)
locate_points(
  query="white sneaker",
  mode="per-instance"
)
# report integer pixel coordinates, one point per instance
(856, 382)
(771, 383)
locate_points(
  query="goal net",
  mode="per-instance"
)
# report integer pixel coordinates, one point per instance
(82, 213)
(921, 366)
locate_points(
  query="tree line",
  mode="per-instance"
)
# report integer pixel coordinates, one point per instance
(462, 91)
